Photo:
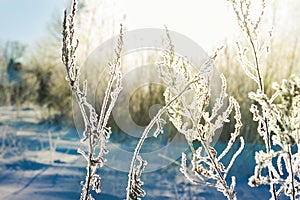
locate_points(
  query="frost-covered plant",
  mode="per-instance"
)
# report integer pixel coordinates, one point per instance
(277, 116)
(283, 123)
(175, 93)
(97, 132)
(190, 115)
(9, 144)
(138, 164)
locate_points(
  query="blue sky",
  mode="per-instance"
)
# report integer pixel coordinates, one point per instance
(26, 20)
(208, 22)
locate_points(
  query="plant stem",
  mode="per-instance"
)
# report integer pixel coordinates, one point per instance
(292, 172)
(261, 84)
(145, 134)
(86, 187)
(261, 87)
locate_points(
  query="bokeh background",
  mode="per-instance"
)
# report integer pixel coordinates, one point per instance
(35, 99)
(30, 43)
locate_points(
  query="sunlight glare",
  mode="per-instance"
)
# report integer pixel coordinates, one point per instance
(206, 22)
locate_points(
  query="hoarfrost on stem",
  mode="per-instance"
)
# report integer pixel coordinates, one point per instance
(277, 116)
(96, 132)
(189, 114)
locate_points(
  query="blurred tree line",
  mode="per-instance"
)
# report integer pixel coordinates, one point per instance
(36, 76)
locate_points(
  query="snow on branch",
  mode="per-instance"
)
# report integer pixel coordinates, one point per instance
(277, 116)
(189, 114)
(96, 132)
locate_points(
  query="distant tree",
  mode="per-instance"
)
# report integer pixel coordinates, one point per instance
(45, 73)
(11, 72)
(13, 50)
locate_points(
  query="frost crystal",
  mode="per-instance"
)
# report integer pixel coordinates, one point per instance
(189, 114)
(96, 132)
(280, 120)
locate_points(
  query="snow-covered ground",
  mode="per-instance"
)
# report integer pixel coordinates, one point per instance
(40, 161)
